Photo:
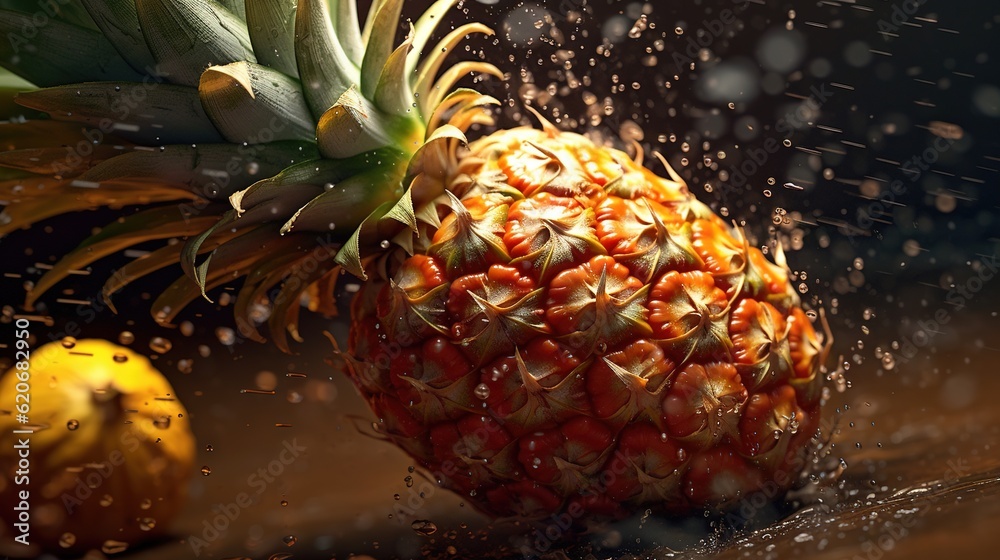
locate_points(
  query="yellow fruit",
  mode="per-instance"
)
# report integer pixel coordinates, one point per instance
(111, 453)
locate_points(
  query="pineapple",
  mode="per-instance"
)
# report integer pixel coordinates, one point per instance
(544, 324)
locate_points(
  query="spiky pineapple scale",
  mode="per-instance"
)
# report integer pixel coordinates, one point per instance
(582, 331)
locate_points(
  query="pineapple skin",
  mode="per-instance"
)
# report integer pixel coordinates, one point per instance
(583, 336)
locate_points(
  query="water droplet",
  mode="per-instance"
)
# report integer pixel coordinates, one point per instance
(68, 342)
(409, 481)
(120, 358)
(160, 345)
(126, 337)
(72, 425)
(146, 503)
(209, 448)
(226, 336)
(147, 523)
(112, 546)
(67, 540)
(289, 540)
(185, 365)
(187, 328)
(206, 470)
(384, 244)
(162, 422)
(424, 527)
(284, 503)
(887, 361)
(107, 500)
(482, 391)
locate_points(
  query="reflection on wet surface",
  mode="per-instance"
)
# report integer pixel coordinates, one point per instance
(920, 443)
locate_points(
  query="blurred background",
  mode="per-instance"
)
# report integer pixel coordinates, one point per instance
(862, 134)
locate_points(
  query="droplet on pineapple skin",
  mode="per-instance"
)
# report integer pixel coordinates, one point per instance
(482, 391)
(72, 425)
(206, 470)
(67, 540)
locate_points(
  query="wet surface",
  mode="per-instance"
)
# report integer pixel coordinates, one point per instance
(922, 450)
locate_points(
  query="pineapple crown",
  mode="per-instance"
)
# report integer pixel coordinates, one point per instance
(274, 122)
